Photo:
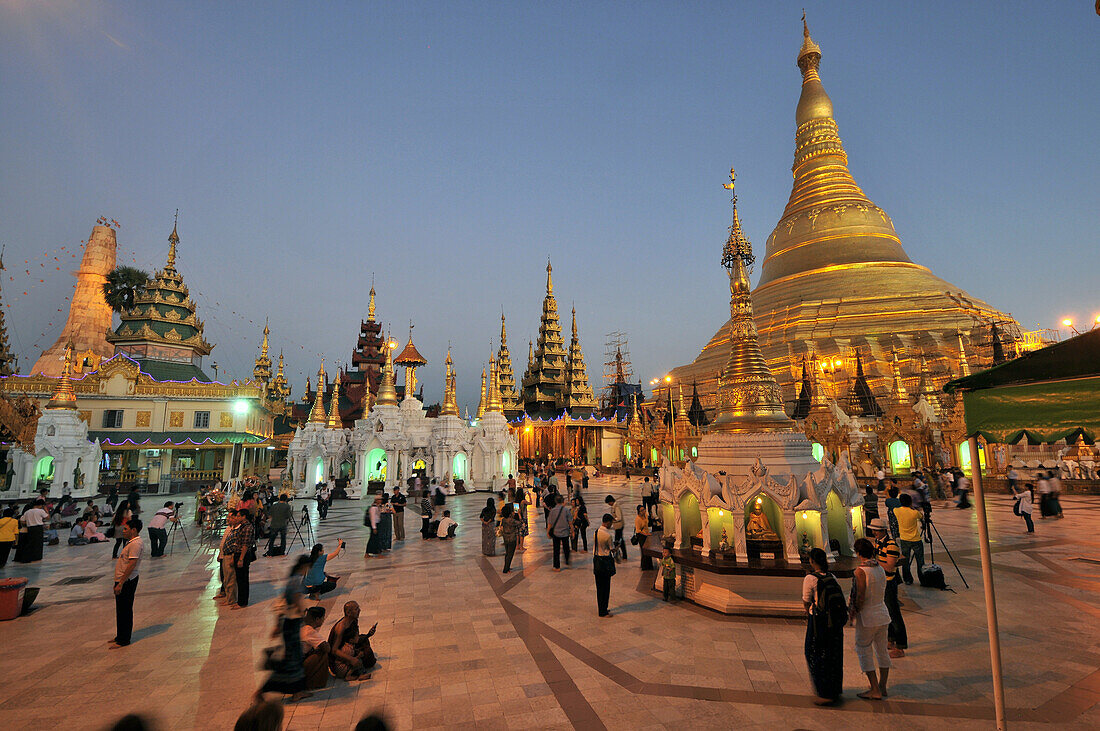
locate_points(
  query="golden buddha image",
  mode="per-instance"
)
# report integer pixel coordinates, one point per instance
(758, 528)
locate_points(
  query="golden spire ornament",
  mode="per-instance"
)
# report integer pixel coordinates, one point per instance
(450, 405)
(370, 305)
(493, 404)
(65, 395)
(173, 241)
(964, 367)
(901, 395)
(481, 403)
(387, 387)
(334, 421)
(317, 413)
(749, 398)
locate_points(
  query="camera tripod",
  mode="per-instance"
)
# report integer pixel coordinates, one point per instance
(308, 525)
(929, 525)
(177, 527)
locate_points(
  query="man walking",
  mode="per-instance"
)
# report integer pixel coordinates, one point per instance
(158, 536)
(278, 517)
(888, 556)
(398, 502)
(557, 527)
(126, 580)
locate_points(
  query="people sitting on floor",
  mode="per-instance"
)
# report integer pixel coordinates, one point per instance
(91, 512)
(92, 533)
(315, 650)
(447, 527)
(76, 533)
(318, 582)
(350, 653)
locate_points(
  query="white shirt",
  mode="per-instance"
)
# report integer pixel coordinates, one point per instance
(444, 524)
(35, 516)
(160, 518)
(131, 552)
(880, 475)
(310, 638)
(603, 540)
(1025, 501)
(1044, 486)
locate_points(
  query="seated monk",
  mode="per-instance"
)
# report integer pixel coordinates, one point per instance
(315, 650)
(350, 653)
(758, 528)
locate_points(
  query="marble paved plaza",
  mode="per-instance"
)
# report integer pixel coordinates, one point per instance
(460, 645)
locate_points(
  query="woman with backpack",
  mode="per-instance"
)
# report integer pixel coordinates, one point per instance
(1022, 506)
(826, 615)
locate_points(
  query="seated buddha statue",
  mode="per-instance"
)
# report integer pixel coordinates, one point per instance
(757, 528)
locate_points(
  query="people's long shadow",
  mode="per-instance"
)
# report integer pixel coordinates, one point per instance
(150, 631)
(640, 606)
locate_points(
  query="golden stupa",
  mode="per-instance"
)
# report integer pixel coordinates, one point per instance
(835, 280)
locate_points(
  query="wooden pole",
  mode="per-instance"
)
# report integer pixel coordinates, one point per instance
(987, 583)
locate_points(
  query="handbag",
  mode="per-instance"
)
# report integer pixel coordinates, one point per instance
(603, 565)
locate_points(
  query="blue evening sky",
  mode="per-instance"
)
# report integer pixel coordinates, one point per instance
(446, 149)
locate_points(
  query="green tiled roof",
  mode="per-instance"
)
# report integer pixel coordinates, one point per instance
(118, 437)
(167, 371)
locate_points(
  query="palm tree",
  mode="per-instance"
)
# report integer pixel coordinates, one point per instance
(123, 286)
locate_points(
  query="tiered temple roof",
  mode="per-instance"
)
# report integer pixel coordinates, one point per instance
(552, 384)
(161, 331)
(506, 377)
(578, 399)
(362, 378)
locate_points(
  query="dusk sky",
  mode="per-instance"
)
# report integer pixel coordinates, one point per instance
(448, 149)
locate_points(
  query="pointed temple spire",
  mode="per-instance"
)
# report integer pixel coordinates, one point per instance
(802, 406)
(964, 366)
(861, 390)
(749, 399)
(544, 383)
(696, 415)
(579, 398)
(998, 347)
(307, 396)
(334, 420)
(817, 391)
(481, 404)
(370, 305)
(173, 241)
(317, 413)
(65, 395)
(261, 370)
(927, 388)
(492, 389)
(280, 389)
(682, 420)
(506, 377)
(900, 394)
(450, 405)
(387, 388)
(530, 354)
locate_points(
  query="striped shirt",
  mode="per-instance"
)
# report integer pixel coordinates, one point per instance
(887, 549)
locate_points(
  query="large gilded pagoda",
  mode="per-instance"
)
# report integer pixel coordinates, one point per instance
(836, 281)
(161, 331)
(544, 382)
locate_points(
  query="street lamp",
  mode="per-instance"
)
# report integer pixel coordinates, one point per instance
(1068, 323)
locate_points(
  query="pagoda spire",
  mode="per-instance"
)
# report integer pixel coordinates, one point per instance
(545, 385)
(579, 398)
(549, 277)
(280, 387)
(901, 395)
(530, 354)
(65, 395)
(682, 420)
(387, 387)
(370, 305)
(317, 413)
(261, 370)
(865, 397)
(493, 403)
(173, 241)
(506, 377)
(749, 397)
(802, 405)
(964, 366)
(927, 388)
(481, 403)
(334, 421)
(450, 405)
(8, 362)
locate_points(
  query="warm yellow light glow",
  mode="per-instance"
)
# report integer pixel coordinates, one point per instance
(759, 500)
(719, 513)
(668, 379)
(527, 428)
(393, 344)
(805, 515)
(838, 363)
(1067, 322)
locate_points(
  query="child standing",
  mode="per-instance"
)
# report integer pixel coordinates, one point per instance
(668, 573)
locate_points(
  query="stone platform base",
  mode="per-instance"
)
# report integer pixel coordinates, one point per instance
(746, 587)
